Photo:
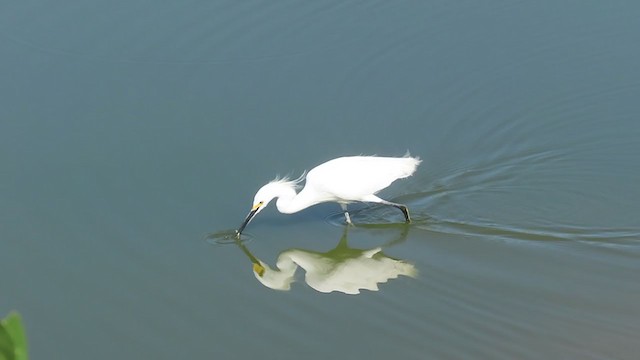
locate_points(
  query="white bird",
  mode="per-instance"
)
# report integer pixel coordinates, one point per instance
(343, 180)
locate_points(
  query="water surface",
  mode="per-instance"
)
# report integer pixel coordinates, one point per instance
(130, 131)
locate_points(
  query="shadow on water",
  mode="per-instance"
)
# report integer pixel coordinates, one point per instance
(343, 269)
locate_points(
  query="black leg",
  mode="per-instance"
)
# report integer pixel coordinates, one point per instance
(403, 208)
(405, 212)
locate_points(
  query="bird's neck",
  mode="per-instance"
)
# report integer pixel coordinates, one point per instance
(289, 202)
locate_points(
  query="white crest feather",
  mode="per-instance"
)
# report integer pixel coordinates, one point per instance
(294, 183)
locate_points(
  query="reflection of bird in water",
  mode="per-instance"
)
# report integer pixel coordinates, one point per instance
(342, 269)
(343, 180)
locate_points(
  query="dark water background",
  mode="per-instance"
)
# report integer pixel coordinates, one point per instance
(129, 130)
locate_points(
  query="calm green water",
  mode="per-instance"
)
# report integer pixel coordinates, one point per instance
(129, 131)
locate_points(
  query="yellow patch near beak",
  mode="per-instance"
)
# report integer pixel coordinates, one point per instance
(256, 206)
(258, 269)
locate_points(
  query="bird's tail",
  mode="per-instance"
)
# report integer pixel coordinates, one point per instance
(409, 165)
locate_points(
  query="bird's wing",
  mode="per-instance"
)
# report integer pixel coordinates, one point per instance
(350, 178)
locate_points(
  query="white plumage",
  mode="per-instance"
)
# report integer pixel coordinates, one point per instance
(353, 178)
(343, 180)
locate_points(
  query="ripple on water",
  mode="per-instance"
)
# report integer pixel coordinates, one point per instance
(226, 237)
(377, 216)
(481, 228)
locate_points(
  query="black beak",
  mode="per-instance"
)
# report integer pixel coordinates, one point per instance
(253, 213)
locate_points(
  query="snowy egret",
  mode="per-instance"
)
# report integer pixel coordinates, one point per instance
(343, 180)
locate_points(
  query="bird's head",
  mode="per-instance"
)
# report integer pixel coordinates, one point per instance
(268, 192)
(265, 194)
